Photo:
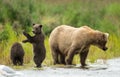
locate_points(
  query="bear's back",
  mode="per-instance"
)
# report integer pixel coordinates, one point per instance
(65, 30)
(17, 49)
(60, 32)
(66, 34)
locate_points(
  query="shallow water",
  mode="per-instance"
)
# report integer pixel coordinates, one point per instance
(110, 69)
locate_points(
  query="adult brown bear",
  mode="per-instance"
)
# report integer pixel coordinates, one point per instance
(38, 44)
(66, 41)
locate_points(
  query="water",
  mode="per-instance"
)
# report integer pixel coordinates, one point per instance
(110, 69)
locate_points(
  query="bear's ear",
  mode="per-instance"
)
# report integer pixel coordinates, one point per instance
(106, 34)
(40, 26)
(33, 24)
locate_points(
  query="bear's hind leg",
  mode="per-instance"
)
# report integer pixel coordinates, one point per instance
(62, 59)
(55, 54)
(83, 56)
(21, 61)
(14, 61)
(38, 65)
(37, 61)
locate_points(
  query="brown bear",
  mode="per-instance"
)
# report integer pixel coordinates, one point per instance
(17, 54)
(38, 44)
(66, 41)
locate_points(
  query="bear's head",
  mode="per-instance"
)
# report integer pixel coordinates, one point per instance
(101, 40)
(37, 28)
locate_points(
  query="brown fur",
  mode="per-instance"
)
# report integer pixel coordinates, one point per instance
(17, 54)
(38, 44)
(66, 41)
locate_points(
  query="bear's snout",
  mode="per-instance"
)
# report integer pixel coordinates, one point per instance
(105, 48)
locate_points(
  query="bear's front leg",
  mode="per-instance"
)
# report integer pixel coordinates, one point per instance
(69, 57)
(83, 56)
(24, 41)
(27, 35)
(29, 38)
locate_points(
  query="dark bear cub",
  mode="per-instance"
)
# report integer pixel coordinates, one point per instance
(38, 44)
(17, 54)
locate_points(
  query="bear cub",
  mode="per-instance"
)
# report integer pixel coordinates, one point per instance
(38, 44)
(17, 54)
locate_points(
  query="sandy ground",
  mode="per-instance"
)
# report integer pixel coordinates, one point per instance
(99, 69)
